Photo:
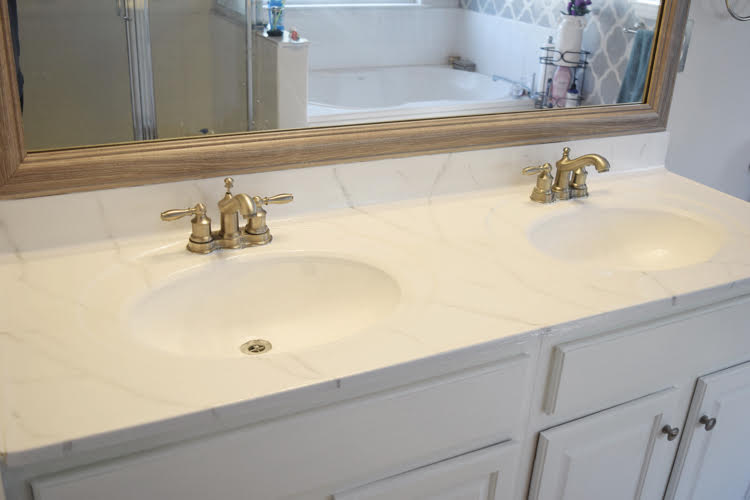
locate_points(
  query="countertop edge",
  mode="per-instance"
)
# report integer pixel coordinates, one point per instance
(212, 421)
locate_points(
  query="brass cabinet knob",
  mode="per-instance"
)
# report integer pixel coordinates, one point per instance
(671, 432)
(708, 423)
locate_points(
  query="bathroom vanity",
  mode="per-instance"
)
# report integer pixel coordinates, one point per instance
(418, 328)
(459, 345)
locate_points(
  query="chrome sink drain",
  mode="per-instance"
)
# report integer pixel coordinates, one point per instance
(257, 346)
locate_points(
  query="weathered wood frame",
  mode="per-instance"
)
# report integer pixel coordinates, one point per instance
(25, 174)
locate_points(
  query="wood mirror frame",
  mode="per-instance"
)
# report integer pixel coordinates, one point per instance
(31, 174)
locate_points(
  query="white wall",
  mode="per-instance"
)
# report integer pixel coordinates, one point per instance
(413, 35)
(344, 37)
(501, 46)
(709, 123)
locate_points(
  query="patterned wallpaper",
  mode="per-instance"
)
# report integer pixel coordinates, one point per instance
(603, 37)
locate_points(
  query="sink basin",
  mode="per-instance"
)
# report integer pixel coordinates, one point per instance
(631, 239)
(292, 302)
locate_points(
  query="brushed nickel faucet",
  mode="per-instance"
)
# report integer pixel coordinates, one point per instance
(255, 232)
(563, 187)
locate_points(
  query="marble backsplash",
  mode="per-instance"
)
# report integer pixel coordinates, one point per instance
(78, 218)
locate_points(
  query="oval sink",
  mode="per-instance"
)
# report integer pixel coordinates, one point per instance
(292, 302)
(634, 239)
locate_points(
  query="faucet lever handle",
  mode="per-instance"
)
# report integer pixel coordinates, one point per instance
(277, 199)
(542, 192)
(537, 169)
(256, 227)
(170, 215)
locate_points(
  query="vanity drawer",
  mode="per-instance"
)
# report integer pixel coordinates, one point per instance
(324, 450)
(594, 373)
(484, 474)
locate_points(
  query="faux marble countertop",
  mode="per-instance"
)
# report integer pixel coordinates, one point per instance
(72, 379)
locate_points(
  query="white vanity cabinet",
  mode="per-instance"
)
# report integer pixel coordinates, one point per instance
(455, 433)
(620, 453)
(713, 461)
(583, 416)
(610, 402)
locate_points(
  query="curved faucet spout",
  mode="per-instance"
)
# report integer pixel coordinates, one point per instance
(565, 164)
(241, 203)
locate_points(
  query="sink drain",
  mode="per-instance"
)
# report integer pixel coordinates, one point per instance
(257, 346)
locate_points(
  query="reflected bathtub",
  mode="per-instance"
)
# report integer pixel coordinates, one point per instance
(366, 95)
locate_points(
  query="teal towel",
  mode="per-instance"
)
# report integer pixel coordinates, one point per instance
(637, 70)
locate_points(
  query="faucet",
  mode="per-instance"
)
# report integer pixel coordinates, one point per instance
(563, 187)
(256, 232)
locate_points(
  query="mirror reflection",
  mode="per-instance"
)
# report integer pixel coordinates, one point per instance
(96, 72)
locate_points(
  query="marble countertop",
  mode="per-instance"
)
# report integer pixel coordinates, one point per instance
(72, 379)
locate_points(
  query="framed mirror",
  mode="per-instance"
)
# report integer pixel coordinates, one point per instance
(143, 91)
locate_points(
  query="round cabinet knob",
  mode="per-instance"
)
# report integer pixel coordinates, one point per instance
(671, 432)
(708, 423)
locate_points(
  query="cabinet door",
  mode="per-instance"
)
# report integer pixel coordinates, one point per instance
(620, 453)
(486, 474)
(715, 464)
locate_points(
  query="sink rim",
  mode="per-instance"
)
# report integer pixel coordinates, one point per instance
(403, 298)
(707, 222)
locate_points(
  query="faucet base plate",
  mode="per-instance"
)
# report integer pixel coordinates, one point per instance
(205, 247)
(562, 194)
(218, 243)
(579, 192)
(542, 196)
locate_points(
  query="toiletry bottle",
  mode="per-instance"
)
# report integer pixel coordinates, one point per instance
(571, 99)
(545, 71)
(560, 85)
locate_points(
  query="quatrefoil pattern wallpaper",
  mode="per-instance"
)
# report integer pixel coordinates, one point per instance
(604, 36)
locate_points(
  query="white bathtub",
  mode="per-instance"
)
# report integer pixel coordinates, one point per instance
(361, 95)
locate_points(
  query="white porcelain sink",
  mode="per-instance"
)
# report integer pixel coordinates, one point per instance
(291, 301)
(627, 238)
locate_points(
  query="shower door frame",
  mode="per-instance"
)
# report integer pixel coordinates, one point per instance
(134, 14)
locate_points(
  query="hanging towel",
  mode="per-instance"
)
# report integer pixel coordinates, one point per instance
(637, 70)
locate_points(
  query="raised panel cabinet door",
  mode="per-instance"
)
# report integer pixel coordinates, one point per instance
(620, 453)
(485, 474)
(713, 462)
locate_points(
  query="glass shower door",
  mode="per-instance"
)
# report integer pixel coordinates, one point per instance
(74, 58)
(102, 71)
(135, 14)
(200, 60)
